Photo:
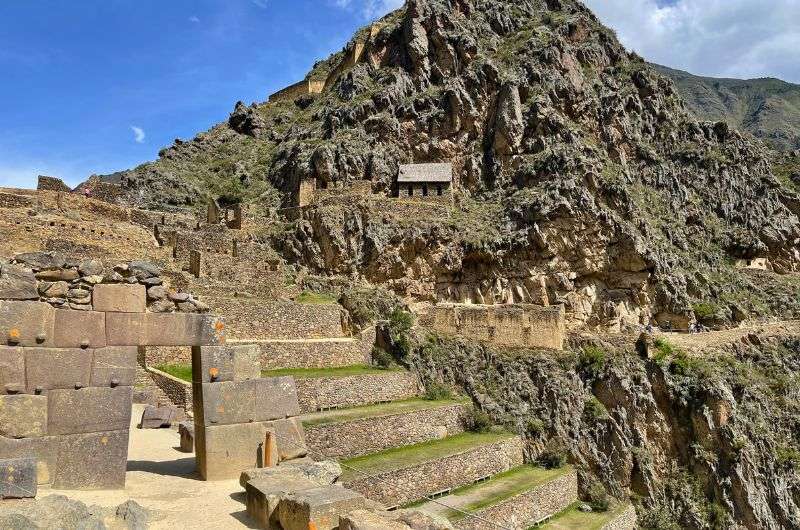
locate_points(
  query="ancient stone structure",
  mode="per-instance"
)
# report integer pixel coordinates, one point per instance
(425, 180)
(241, 421)
(52, 184)
(66, 381)
(325, 393)
(509, 325)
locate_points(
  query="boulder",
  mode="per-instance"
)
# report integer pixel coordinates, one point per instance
(54, 289)
(143, 269)
(322, 473)
(91, 267)
(17, 283)
(41, 261)
(157, 292)
(158, 417)
(186, 431)
(133, 515)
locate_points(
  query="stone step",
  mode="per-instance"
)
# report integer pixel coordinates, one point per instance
(310, 353)
(621, 517)
(407, 474)
(347, 433)
(519, 498)
(320, 389)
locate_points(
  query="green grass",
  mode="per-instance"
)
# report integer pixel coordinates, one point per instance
(401, 457)
(368, 411)
(310, 297)
(574, 519)
(341, 371)
(181, 371)
(505, 486)
(184, 371)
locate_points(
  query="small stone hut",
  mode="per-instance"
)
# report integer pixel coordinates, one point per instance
(425, 180)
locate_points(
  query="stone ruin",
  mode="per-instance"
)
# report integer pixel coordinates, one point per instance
(230, 216)
(66, 385)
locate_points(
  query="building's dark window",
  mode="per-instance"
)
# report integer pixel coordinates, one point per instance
(439, 190)
(410, 190)
(424, 190)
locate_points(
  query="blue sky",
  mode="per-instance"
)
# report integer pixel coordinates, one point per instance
(95, 86)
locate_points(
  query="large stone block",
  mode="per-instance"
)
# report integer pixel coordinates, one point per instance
(291, 438)
(126, 329)
(18, 478)
(120, 298)
(26, 323)
(164, 329)
(230, 363)
(184, 329)
(12, 370)
(321, 507)
(276, 398)
(80, 329)
(186, 432)
(264, 494)
(49, 368)
(92, 461)
(23, 416)
(16, 283)
(368, 520)
(229, 403)
(44, 450)
(89, 410)
(158, 417)
(225, 450)
(114, 366)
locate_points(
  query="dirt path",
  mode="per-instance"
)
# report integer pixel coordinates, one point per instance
(714, 339)
(163, 479)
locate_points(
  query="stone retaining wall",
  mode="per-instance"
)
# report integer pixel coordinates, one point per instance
(351, 391)
(529, 508)
(402, 486)
(254, 319)
(161, 355)
(627, 520)
(363, 436)
(312, 353)
(177, 390)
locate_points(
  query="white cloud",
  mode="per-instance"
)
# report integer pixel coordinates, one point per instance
(261, 3)
(369, 9)
(138, 134)
(723, 38)
(194, 19)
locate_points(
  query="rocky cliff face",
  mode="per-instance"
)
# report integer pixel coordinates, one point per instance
(584, 180)
(700, 441)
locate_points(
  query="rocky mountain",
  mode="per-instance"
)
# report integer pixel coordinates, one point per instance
(583, 179)
(767, 108)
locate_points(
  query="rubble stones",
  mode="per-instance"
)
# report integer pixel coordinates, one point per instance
(41, 261)
(23, 416)
(143, 269)
(58, 275)
(54, 289)
(157, 292)
(91, 268)
(18, 478)
(17, 283)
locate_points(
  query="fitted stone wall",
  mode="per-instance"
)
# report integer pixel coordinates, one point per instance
(507, 325)
(529, 508)
(177, 390)
(312, 353)
(363, 436)
(626, 520)
(66, 383)
(401, 486)
(302, 88)
(241, 421)
(322, 393)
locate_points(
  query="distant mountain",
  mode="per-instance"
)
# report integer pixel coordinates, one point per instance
(767, 108)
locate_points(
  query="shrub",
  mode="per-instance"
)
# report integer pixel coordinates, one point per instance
(594, 409)
(592, 360)
(479, 421)
(681, 364)
(598, 497)
(382, 358)
(788, 457)
(535, 427)
(437, 391)
(400, 323)
(705, 310)
(311, 297)
(553, 457)
(665, 349)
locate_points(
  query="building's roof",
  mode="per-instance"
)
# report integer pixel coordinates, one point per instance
(426, 173)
